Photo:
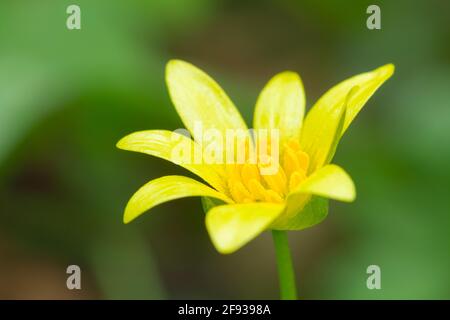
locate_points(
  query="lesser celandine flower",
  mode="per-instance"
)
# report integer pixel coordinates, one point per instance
(293, 197)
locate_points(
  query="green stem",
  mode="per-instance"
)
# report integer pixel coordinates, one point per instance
(288, 290)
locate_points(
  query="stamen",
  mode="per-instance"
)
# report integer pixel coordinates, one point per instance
(249, 172)
(277, 181)
(232, 172)
(238, 191)
(247, 183)
(290, 161)
(303, 159)
(256, 189)
(272, 196)
(295, 179)
(294, 144)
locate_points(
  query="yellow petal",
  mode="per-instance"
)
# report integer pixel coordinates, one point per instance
(320, 134)
(232, 226)
(363, 86)
(367, 83)
(330, 181)
(198, 98)
(164, 144)
(281, 105)
(165, 189)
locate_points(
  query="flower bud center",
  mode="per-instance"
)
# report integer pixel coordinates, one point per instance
(247, 182)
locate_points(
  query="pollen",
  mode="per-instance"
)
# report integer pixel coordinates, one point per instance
(246, 183)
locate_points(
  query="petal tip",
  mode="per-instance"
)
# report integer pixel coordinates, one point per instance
(121, 143)
(221, 245)
(130, 212)
(175, 64)
(352, 196)
(288, 76)
(126, 218)
(224, 250)
(387, 70)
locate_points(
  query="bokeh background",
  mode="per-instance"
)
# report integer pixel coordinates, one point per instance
(66, 97)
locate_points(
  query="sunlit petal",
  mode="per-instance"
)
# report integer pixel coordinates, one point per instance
(198, 98)
(324, 117)
(281, 105)
(164, 144)
(330, 181)
(232, 226)
(165, 189)
(320, 135)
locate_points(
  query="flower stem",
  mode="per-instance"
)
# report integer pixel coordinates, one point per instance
(288, 290)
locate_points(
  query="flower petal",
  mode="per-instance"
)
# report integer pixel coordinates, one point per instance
(330, 181)
(320, 134)
(232, 226)
(198, 98)
(367, 83)
(356, 90)
(308, 204)
(164, 144)
(281, 105)
(164, 189)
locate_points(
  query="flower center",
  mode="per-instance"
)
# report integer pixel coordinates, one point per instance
(246, 183)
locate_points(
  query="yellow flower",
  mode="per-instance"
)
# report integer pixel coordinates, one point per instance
(296, 196)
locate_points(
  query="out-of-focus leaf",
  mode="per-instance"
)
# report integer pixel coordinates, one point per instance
(124, 267)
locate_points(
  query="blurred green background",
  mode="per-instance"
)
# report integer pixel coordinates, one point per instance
(66, 97)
